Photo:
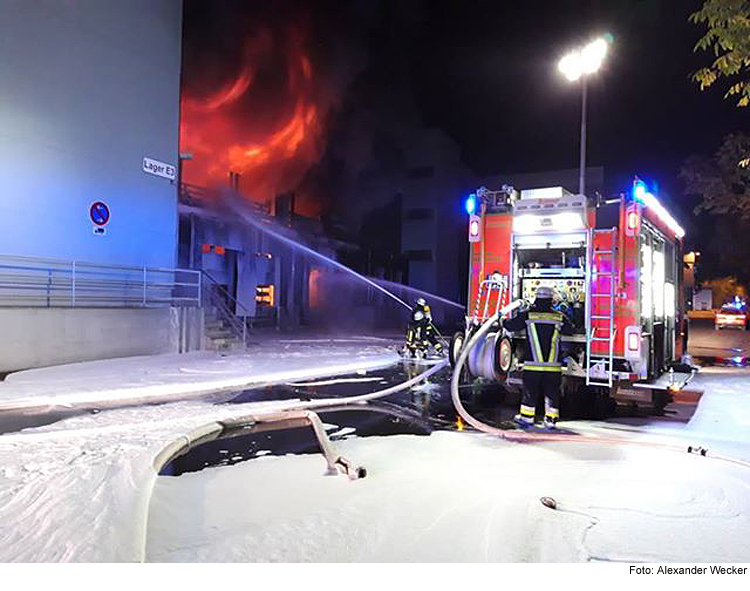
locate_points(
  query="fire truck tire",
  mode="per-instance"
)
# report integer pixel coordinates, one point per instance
(503, 355)
(457, 342)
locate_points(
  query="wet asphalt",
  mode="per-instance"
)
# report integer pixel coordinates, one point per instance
(419, 411)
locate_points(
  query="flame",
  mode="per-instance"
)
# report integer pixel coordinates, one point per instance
(230, 94)
(264, 123)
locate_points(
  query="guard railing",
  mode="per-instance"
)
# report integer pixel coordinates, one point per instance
(31, 281)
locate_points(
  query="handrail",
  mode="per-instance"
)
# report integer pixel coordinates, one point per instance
(46, 282)
(249, 313)
(228, 315)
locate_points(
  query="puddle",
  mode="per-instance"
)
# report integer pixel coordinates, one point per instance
(418, 411)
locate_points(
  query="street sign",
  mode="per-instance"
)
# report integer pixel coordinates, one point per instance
(159, 168)
(99, 213)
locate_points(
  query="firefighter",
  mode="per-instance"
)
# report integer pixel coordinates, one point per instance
(542, 369)
(421, 332)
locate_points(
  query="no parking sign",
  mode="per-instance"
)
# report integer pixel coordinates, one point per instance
(99, 213)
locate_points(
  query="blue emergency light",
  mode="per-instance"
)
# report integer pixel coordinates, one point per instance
(639, 191)
(471, 204)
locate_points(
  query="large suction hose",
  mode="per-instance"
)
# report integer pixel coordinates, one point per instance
(478, 335)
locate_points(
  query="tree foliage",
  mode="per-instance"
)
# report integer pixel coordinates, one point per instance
(723, 289)
(721, 181)
(728, 36)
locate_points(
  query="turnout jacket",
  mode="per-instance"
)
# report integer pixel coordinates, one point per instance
(543, 328)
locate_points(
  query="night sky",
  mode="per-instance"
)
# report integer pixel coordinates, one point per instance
(486, 73)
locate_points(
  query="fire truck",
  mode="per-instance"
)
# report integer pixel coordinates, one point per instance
(615, 266)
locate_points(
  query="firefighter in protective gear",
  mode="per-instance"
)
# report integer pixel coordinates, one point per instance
(542, 369)
(421, 332)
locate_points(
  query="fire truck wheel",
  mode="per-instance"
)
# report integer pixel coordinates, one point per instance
(457, 342)
(503, 355)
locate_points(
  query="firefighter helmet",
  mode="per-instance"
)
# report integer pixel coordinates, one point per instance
(544, 293)
(421, 302)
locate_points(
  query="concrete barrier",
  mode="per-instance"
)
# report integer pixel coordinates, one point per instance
(39, 337)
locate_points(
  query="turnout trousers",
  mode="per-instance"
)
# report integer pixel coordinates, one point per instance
(537, 384)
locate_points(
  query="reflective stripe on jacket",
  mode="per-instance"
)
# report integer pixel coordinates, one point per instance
(543, 331)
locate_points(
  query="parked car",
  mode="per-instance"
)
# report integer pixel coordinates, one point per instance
(731, 316)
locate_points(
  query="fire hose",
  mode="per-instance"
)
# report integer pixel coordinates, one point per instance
(294, 415)
(523, 436)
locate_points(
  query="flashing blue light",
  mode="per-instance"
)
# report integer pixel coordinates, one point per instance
(471, 204)
(639, 191)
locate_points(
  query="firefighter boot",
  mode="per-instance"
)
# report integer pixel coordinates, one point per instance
(525, 418)
(551, 414)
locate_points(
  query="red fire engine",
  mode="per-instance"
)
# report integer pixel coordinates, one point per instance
(616, 269)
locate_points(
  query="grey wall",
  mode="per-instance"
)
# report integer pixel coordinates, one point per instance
(87, 89)
(37, 337)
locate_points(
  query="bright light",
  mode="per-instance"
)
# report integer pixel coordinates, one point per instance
(652, 203)
(647, 199)
(639, 191)
(585, 60)
(634, 341)
(646, 266)
(471, 204)
(474, 228)
(570, 66)
(565, 221)
(657, 283)
(525, 224)
(593, 55)
(669, 298)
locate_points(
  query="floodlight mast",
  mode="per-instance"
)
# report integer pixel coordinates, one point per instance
(579, 64)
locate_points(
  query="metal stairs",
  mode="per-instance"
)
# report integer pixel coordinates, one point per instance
(220, 334)
(603, 265)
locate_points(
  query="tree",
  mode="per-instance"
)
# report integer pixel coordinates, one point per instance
(728, 35)
(723, 289)
(721, 182)
(723, 187)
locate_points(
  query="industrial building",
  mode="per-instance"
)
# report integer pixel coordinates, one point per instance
(89, 112)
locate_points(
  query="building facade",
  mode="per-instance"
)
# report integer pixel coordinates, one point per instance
(89, 90)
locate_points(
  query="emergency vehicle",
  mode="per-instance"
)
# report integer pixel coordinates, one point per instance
(732, 315)
(616, 269)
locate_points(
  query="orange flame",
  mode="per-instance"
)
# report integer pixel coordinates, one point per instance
(268, 133)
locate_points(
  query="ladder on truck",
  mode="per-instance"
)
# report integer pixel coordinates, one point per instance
(495, 284)
(602, 264)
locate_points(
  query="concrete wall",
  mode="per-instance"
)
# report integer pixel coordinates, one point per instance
(89, 88)
(38, 337)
